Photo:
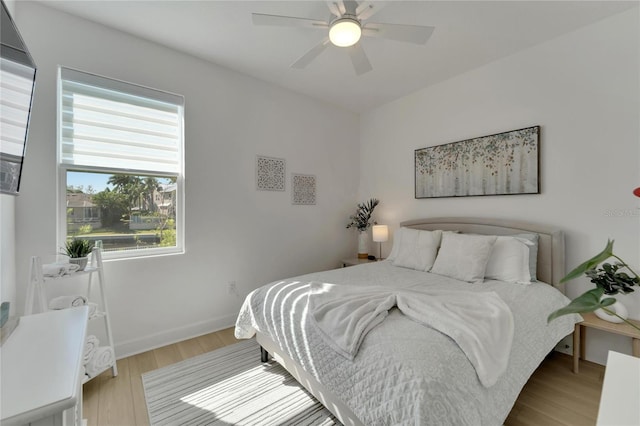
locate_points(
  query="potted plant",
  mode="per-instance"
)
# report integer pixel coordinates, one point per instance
(362, 222)
(78, 250)
(609, 279)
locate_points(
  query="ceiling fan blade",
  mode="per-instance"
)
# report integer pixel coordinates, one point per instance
(359, 59)
(333, 8)
(350, 7)
(367, 9)
(409, 33)
(340, 6)
(313, 53)
(287, 21)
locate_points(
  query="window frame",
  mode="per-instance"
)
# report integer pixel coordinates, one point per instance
(61, 181)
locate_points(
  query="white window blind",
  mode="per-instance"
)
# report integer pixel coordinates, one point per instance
(112, 125)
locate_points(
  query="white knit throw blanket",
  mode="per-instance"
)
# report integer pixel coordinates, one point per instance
(480, 323)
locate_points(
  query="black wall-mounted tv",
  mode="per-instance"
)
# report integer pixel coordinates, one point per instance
(17, 81)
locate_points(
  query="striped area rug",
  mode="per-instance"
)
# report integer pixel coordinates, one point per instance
(230, 386)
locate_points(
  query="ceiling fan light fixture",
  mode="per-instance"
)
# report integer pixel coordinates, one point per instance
(345, 32)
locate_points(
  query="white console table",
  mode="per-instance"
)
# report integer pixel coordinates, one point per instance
(619, 403)
(41, 369)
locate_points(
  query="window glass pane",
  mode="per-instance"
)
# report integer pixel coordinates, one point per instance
(123, 211)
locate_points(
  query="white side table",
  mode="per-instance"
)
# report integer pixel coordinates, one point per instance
(590, 320)
(41, 362)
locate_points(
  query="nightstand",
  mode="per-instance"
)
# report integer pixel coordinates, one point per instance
(591, 320)
(355, 261)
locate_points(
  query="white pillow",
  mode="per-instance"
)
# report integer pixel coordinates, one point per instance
(397, 241)
(416, 248)
(396, 244)
(509, 260)
(533, 253)
(464, 256)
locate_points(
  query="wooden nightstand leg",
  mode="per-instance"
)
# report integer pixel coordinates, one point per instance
(635, 346)
(576, 348)
(583, 342)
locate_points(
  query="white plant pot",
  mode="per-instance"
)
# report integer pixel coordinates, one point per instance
(617, 307)
(363, 244)
(80, 261)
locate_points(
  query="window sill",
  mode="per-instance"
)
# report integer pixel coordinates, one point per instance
(141, 253)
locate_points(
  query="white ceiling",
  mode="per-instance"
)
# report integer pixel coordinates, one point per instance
(467, 35)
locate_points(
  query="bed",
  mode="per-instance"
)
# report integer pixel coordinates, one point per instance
(406, 372)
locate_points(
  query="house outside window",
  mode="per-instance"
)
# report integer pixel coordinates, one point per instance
(82, 213)
(120, 156)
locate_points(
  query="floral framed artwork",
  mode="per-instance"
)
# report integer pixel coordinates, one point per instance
(501, 164)
(270, 173)
(304, 189)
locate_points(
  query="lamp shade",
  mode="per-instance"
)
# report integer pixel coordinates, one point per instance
(345, 32)
(380, 233)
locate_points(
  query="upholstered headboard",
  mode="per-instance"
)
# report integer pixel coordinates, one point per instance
(551, 266)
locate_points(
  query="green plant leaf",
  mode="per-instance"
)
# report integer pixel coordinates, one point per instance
(591, 263)
(77, 248)
(587, 302)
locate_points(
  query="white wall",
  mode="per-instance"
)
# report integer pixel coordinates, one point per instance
(7, 251)
(583, 90)
(233, 232)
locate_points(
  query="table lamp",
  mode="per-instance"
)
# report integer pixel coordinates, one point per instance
(380, 235)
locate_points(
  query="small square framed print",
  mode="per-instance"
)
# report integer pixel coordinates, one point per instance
(304, 189)
(270, 173)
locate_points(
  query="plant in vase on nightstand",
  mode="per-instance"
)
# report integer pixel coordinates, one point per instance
(362, 222)
(610, 279)
(78, 250)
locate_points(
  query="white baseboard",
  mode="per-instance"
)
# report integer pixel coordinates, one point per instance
(174, 335)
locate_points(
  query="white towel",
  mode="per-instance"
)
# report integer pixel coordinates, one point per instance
(59, 269)
(83, 372)
(90, 346)
(64, 302)
(480, 323)
(53, 270)
(93, 309)
(102, 359)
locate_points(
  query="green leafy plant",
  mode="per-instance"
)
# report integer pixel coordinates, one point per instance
(77, 248)
(361, 220)
(609, 279)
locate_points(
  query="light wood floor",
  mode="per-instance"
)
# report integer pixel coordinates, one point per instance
(553, 395)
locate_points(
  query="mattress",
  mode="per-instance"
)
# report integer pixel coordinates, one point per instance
(406, 373)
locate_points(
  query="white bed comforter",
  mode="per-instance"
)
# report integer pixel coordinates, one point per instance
(405, 373)
(481, 324)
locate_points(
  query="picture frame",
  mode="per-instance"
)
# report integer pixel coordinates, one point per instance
(304, 189)
(504, 163)
(270, 173)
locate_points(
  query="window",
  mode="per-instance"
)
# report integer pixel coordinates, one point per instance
(120, 156)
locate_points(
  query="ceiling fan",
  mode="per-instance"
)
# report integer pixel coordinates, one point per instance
(345, 28)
